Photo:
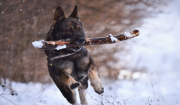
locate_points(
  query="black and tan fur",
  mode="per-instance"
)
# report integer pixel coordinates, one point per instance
(72, 71)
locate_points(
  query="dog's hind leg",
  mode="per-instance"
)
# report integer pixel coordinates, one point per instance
(94, 79)
(67, 92)
(63, 80)
(82, 95)
(63, 69)
(82, 90)
(68, 79)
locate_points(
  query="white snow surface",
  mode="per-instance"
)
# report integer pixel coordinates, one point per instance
(113, 39)
(59, 47)
(38, 44)
(149, 89)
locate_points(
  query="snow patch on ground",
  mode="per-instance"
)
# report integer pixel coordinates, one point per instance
(152, 89)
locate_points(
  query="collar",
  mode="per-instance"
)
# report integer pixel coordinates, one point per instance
(64, 55)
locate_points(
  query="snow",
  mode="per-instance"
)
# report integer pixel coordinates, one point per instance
(136, 29)
(53, 43)
(113, 39)
(128, 34)
(38, 44)
(148, 89)
(60, 47)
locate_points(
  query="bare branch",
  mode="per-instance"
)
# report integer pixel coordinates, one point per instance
(52, 45)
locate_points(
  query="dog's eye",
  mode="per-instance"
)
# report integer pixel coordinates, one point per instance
(79, 29)
(68, 30)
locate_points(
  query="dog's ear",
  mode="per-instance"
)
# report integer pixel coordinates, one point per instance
(58, 15)
(74, 14)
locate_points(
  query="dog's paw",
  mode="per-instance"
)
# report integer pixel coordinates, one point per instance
(97, 85)
(74, 85)
(100, 91)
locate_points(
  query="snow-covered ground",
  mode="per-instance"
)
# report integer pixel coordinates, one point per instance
(156, 50)
(147, 90)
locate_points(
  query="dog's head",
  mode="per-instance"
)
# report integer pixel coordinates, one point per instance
(67, 28)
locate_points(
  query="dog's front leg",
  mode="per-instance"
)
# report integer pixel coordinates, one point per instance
(94, 79)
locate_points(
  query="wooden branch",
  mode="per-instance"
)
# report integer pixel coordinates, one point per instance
(56, 45)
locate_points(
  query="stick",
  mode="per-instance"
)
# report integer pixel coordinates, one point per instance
(56, 45)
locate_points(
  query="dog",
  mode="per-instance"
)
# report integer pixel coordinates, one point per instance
(70, 68)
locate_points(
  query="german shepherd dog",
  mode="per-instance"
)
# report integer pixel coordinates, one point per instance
(71, 68)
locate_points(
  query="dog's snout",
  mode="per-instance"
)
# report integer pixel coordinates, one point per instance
(80, 40)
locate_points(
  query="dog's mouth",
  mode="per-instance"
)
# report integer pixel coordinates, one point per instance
(75, 48)
(79, 43)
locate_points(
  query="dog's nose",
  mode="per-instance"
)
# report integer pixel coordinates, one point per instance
(80, 40)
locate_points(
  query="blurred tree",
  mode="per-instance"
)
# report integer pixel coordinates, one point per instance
(24, 21)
